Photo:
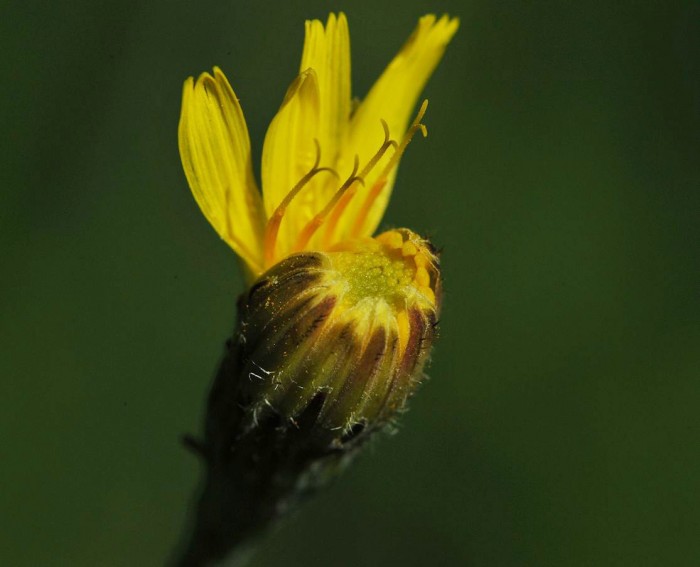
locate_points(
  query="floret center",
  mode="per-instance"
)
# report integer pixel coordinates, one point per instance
(395, 266)
(373, 274)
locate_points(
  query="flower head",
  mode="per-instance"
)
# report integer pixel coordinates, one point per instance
(343, 333)
(334, 322)
(327, 168)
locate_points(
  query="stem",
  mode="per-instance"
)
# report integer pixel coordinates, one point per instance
(253, 475)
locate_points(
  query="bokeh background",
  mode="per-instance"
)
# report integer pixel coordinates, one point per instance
(561, 176)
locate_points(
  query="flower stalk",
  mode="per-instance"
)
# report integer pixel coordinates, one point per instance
(253, 476)
(336, 325)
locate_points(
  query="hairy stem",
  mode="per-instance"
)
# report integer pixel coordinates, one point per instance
(254, 474)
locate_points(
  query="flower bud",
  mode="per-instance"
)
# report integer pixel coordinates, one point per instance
(343, 334)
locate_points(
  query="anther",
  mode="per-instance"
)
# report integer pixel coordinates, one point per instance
(313, 225)
(273, 223)
(388, 142)
(341, 205)
(381, 181)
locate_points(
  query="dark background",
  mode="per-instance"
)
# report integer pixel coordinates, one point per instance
(561, 176)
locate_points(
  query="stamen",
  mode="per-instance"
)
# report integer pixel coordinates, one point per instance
(348, 194)
(273, 223)
(388, 142)
(313, 225)
(379, 185)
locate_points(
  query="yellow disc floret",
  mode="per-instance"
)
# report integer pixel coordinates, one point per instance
(394, 267)
(372, 275)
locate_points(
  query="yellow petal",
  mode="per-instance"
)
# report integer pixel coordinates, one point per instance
(392, 99)
(327, 51)
(215, 152)
(289, 152)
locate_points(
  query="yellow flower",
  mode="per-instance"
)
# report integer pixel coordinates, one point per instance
(327, 168)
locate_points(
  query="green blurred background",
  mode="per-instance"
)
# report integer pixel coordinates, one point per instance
(562, 178)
